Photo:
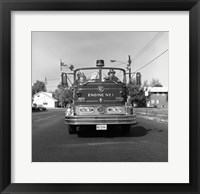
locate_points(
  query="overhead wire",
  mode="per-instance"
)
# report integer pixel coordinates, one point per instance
(151, 61)
(143, 50)
(149, 44)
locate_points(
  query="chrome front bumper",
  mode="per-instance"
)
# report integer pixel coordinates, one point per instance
(99, 120)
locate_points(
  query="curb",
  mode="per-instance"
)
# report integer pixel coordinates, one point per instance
(153, 118)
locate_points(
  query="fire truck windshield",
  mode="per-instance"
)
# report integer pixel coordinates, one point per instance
(89, 75)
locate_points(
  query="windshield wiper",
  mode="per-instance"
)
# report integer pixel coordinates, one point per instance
(114, 81)
(86, 82)
(108, 79)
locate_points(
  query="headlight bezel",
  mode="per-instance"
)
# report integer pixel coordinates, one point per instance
(86, 109)
(115, 109)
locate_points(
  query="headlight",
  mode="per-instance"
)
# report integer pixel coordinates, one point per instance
(86, 109)
(115, 109)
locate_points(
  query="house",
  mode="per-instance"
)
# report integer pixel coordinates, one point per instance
(46, 99)
(158, 96)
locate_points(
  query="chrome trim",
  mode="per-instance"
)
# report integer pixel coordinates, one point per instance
(94, 89)
(97, 113)
(103, 119)
(111, 101)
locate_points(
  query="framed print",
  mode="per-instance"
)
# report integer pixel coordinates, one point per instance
(99, 96)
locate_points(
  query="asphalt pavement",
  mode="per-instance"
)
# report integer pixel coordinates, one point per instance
(146, 142)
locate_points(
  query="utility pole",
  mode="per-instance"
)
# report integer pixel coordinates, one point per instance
(129, 68)
(146, 94)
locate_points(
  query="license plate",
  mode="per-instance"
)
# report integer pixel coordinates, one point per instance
(101, 127)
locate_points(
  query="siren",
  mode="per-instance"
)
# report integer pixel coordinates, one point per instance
(100, 63)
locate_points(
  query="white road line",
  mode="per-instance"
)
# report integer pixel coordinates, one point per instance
(97, 144)
(108, 143)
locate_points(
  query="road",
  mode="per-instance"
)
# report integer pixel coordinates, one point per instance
(147, 141)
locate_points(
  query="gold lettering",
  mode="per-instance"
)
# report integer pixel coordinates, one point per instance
(100, 94)
(95, 95)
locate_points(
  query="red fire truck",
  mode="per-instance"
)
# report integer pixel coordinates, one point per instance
(100, 99)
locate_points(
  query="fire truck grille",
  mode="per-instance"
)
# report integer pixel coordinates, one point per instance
(100, 109)
(97, 110)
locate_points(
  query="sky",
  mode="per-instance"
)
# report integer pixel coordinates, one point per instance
(82, 49)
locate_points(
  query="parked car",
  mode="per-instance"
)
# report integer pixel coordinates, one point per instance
(41, 107)
(38, 107)
(34, 107)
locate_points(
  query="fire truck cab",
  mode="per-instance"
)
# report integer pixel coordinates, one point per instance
(100, 99)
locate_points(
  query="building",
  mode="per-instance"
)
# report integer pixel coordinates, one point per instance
(158, 96)
(46, 99)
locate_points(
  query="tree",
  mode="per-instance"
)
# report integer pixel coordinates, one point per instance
(145, 83)
(155, 83)
(140, 98)
(63, 94)
(136, 92)
(38, 86)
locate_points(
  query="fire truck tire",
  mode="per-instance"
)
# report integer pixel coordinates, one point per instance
(80, 134)
(79, 131)
(72, 129)
(126, 128)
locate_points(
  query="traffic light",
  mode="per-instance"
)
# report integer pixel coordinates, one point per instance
(64, 79)
(138, 78)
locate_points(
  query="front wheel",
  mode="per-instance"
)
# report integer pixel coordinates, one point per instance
(72, 129)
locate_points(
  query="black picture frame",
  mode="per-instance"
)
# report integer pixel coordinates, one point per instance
(6, 6)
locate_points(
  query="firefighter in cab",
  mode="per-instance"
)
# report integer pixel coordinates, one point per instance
(81, 78)
(111, 75)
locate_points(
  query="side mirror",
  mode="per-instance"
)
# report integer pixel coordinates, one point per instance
(64, 79)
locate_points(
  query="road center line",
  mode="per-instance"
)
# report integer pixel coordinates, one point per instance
(108, 143)
(97, 144)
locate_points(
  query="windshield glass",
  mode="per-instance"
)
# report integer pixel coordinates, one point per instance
(112, 75)
(83, 76)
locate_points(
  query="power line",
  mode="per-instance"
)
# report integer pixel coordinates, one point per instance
(149, 44)
(151, 61)
(142, 51)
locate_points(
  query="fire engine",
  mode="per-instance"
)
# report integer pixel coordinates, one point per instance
(100, 99)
